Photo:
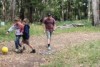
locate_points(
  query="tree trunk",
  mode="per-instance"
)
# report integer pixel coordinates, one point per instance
(4, 9)
(89, 9)
(69, 10)
(12, 8)
(62, 11)
(30, 14)
(95, 8)
(22, 10)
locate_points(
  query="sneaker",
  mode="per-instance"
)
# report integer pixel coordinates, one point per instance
(48, 45)
(16, 50)
(24, 48)
(49, 48)
(33, 51)
(20, 48)
(20, 51)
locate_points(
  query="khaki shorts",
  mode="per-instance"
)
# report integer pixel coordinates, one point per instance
(49, 34)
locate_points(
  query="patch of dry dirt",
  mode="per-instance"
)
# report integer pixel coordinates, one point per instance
(59, 42)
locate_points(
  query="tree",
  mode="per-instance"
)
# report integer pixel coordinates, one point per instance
(4, 9)
(12, 8)
(89, 9)
(37, 9)
(95, 8)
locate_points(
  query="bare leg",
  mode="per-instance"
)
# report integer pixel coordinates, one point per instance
(22, 44)
(49, 41)
(30, 47)
(33, 50)
(49, 38)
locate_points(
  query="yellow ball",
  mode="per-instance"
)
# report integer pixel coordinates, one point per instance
(4, 50)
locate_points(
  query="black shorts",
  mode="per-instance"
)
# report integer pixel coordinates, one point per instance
(25, 40)
(25, 37)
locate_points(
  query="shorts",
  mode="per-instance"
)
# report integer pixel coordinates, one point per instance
(49, 34)
(25, 41)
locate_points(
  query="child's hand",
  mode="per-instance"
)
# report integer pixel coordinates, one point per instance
(54, 28)
(44, 31)
(7, 33)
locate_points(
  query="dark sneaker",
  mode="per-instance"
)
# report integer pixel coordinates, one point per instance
(24, 48)
(21, 51)
(33, 51)
(48, 45)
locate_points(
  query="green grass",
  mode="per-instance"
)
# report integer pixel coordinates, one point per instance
(37, 29)
(82, 55)
(86, 22)
(78, 29)
(86, 28)
(3, 36)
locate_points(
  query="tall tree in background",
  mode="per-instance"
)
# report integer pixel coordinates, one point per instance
(3, 9)
(30, 10)
(36, 9)
(89, 9)
(95, 8)
(22, 10)
(12, 8)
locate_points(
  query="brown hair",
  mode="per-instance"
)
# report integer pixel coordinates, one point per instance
(26, 20)
(17, 19)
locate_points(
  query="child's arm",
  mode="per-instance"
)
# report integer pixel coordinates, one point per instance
(11, 28)
(44, 24)
(44, 28)
(54, 25)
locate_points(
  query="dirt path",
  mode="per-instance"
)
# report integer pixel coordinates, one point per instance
(59, 42)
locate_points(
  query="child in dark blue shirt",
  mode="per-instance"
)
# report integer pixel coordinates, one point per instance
(26, 34)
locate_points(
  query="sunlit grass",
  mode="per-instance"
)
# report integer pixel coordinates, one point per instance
(78, 29)
(82, 55)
